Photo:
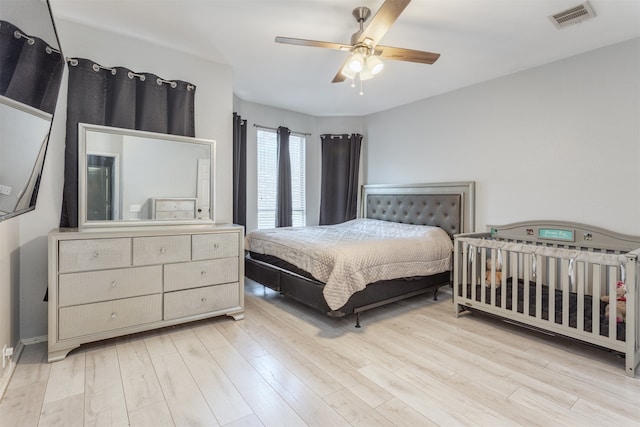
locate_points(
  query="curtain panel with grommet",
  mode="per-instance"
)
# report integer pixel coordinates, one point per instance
(119, 97)
(239, 170)
(339, 181)
(30, 68)
(284, 208)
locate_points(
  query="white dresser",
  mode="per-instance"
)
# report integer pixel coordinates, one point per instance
(107, 283)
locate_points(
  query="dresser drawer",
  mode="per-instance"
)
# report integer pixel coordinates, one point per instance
(201, 300)
(175, 215)
(93, 254)
(161, 249)
(175, 205)
(200, 273)
(95, 286)
(217, 245)
(107, 316)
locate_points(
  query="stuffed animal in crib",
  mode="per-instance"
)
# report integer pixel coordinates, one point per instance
(487, 274)
(621, 303)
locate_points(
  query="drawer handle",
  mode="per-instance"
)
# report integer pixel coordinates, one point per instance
(163, 250)
(203, 299)
(203, 273)
(96, 254)
(216, 246)
(114, 315)
(114, 284)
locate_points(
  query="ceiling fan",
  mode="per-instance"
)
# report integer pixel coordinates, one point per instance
(364, 61)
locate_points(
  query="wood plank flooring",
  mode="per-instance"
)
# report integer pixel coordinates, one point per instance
(411, 364)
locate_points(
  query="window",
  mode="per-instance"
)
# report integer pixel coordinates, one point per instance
(268, 177)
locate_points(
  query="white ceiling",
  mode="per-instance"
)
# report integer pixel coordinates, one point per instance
(478, 40)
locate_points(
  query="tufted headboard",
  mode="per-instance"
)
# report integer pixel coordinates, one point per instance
(450, 206)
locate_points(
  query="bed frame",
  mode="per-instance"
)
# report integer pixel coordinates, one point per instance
(553, 275)
(449, 205)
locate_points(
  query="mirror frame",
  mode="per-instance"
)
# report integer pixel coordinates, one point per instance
(83, 222)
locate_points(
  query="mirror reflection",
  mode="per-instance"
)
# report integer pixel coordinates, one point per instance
(134, 177)
(31, 68)
(23, 138)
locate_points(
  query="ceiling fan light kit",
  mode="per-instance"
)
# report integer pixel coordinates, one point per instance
(364, 61)
(356, 62)
(375, 65)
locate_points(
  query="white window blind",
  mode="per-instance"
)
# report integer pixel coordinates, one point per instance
(267, 142)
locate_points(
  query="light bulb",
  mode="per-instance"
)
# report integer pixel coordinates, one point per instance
(374, 64)
(356, 63)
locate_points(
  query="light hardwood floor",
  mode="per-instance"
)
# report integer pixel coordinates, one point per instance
(411, 364)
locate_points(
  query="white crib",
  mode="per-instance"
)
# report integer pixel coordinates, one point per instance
(551, 275)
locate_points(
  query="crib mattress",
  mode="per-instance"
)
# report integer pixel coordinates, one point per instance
(558, 308)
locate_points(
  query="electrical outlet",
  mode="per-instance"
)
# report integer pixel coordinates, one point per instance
(7, 352)
(135, 208)
(4, 357)
(5, 189)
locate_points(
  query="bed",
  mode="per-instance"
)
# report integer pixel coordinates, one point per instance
(554, 276)
(448, 206)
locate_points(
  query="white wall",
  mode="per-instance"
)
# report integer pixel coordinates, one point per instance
(213, 109)
(9, 285)
(561, 141)
(297, 122)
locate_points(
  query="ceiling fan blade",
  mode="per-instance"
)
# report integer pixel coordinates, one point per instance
(312, 43)
(384, 18)
(409, 55)
(339, 78)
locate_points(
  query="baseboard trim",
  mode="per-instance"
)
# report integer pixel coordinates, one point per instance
(13, 362)
(34, 340)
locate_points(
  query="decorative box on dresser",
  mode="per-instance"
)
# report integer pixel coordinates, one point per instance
(105, 283)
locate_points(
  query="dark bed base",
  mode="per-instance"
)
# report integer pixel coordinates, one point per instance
(309, 291)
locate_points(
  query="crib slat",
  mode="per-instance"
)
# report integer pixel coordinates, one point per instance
(582, 283)
(553, 281)
(514, 282)
(506, 258)
(464, 263)
(595, 306)
(564, 279)
(494, 285)
(539, 288)
(612, 279)
(483, 268)
(474, 273)
(526, 279)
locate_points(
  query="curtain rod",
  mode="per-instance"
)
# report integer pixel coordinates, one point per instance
(270, 128)
(333, 135)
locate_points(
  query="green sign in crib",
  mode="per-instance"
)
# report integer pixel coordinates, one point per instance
(556, 234)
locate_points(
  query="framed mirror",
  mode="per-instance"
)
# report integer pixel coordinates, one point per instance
(31, 67)
(130, 177)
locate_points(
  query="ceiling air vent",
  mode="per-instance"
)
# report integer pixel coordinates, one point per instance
(572, 16)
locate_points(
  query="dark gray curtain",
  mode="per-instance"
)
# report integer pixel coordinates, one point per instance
(339, 185)
(239, 170)
(284, 216)
(119, 97)
(30, 69)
